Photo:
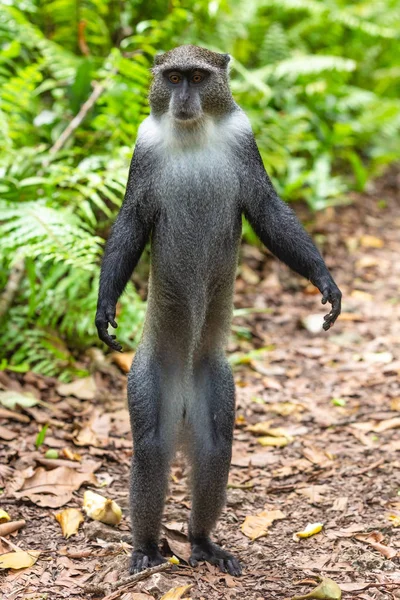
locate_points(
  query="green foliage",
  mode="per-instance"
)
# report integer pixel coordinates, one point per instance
(319, 80)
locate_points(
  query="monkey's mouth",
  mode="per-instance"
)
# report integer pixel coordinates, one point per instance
(185, 116)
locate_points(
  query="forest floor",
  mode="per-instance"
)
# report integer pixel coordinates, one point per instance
(327, 406)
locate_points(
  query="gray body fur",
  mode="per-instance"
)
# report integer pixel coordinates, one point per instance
(195, 171)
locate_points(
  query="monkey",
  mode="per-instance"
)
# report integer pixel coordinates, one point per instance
(195, 171)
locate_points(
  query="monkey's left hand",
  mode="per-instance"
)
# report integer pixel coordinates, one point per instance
(104, 317)
(331, 293)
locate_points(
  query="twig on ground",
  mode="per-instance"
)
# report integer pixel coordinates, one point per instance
(114, 590)
(7, 528)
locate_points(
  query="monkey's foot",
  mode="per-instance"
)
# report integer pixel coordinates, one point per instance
(142, 560)
(204, 549)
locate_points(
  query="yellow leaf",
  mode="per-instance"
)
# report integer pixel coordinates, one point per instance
(19, 559)
(370, 241)
(4, 516)
(256, 526)
(101, 509)
(69, 519)
(177, 592)
(395, 404)
(269, 440)
(395, 520)
(326, 590)
(311, 529)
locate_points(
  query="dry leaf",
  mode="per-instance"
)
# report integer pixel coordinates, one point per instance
(11, 399)
(326, 590)
(177, 592)
(101, 509)
(71, 455)
(19, 559)
(256, 526)
(395, 404)
(311, 529)
(257, 459)
(316, 456)
(123, 360)
(370, 241)
(313, 493)
(69, 519)
(374, 539)
(177, 540)
(84, 389)
(269, 440)
(395, 519)
(54, 488)
(284, 408)
(96, 431)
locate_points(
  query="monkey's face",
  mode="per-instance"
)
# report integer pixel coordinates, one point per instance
(185, 88)
(189, 84)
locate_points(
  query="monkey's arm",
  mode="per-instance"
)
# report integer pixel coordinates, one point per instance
(124, 247)
(278, 228)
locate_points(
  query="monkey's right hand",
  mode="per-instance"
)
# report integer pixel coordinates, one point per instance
(106, 316)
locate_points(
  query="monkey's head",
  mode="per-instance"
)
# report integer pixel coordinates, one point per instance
(191, 83)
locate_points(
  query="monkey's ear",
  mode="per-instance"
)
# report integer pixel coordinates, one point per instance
(226, 58)
(159, 59)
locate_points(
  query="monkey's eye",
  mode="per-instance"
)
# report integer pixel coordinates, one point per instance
(197, 78)
(174, 78)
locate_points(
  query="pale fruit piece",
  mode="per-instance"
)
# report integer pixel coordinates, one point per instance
(101, 509)
(311, 529)
(69, 519)
(4, 516)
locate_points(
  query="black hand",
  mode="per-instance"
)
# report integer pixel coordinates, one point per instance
(104, 317)
(331, 294)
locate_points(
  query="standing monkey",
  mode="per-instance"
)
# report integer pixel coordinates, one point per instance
(195, 170)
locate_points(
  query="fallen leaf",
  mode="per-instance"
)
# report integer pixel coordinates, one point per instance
(395, 404)
(256, 526)
(314, 493)
(123, 360)
(340, 504)
(361, 295)
(374, 539)
(257, 459)
(177, 592)
(19, 559)
(311, 529)
(54, 488)
(7, 434)
(284, 408)
(177, 540)
(71, 455)
(84, 389)
(395, 519)
(371, 241)
(316, 456)
(326, 590)
(69, 519)
(11, 399)
(269, 440)
(96, 431)
(101, 509)
(373, 358)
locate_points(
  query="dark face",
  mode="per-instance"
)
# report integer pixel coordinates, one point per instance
(186, 87)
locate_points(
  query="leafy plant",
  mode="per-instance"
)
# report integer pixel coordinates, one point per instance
(318, 79)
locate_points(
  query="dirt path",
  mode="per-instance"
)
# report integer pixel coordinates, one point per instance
(332, 402)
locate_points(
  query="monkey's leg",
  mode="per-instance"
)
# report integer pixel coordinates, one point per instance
(153, 438)
(211, 423)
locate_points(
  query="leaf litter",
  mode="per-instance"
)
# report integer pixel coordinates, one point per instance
(339, 466)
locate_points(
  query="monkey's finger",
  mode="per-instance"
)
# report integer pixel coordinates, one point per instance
(234, 568)
(145, 562)
(114, 323)
(325, 297)
(222, 565)
(193, 562)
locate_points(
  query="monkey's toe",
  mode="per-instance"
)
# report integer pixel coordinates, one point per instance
(205, 550)
(140, 561)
